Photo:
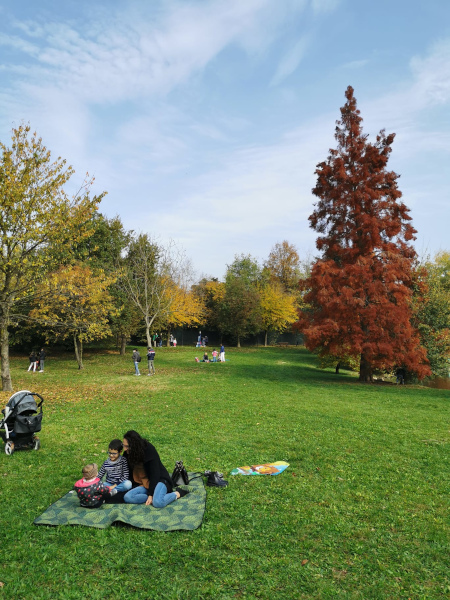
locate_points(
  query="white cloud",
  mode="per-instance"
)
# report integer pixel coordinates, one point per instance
(133, 57)
(291, 60)
(432, 75)
(428, 87)
(355, 64)
(18, 43)
(258, 196)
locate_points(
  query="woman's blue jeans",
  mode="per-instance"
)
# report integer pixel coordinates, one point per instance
(161, 498)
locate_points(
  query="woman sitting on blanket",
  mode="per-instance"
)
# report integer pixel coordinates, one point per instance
(155, 485)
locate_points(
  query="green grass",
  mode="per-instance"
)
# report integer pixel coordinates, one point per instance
(360, 513)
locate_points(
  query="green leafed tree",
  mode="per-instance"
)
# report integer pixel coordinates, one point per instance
(104, 250)
(39, 226)
(239, 309)
(433, 312)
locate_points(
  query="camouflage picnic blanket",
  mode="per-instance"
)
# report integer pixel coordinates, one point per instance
(185, 513)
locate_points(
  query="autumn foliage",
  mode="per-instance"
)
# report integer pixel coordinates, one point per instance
(360, 290)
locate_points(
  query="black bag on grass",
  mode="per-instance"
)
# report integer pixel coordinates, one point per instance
(180, 475)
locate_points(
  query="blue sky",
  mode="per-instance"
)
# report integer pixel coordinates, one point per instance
(204, 119)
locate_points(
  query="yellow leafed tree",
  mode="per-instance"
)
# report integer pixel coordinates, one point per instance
(180, 307)
(278, 308)
(76, 304)
(39, 226)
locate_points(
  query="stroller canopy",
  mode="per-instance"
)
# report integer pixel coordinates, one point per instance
(22, 401)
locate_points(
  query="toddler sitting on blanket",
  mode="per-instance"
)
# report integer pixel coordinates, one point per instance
(91, 492)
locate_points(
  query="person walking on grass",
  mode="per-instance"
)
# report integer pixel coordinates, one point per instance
(155, 485)
(136, 360)
(41, 360)
(151, 361)
(222, 353)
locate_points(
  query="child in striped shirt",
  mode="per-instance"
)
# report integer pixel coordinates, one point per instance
(116, 468)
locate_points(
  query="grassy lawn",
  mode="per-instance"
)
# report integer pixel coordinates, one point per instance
(360, 513)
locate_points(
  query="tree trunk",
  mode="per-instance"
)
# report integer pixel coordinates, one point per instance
(149, 337)
(168, 337)
(265, 338)
(238, 341)
(338, 366)
(4, 350)
(123, 344)
(78, 350)
(365, 370)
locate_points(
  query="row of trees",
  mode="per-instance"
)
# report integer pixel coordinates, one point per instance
(71, 272)
(252, 298)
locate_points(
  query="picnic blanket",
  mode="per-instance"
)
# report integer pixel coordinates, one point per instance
(274, 468)
(185, 513)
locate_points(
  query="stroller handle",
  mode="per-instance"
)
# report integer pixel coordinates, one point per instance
(40, 397)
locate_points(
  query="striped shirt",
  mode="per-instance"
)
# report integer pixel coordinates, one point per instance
(116, 470)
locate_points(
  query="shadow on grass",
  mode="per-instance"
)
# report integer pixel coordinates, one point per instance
(295, 365)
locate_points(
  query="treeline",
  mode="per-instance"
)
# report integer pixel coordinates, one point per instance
(69, 273)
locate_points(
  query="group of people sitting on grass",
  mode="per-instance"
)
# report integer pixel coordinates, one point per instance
(215, 354)
(149, 483)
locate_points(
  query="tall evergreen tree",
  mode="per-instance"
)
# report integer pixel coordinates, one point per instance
(360, 290)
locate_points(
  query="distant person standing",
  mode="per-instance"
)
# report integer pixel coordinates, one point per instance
(33, 361)
(41, 360)
(151, 361)
(174, 342)
(136, 360)
(222, 353)
(214, 355)
(205, 340)
(400, 373)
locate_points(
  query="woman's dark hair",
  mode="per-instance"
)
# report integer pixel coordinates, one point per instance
(116, 445)
(137, 446)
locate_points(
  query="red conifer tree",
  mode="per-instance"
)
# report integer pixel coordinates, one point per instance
(360, 290)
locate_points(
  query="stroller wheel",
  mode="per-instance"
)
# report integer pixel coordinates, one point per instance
(37, 443)
(9, 448)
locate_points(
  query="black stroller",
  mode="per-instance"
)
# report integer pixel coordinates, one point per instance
(21, 421)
